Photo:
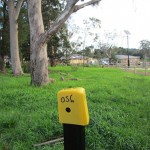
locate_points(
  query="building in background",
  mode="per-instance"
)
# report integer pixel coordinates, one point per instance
(123, 60)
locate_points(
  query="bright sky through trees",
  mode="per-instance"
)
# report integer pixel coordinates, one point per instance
(119, 15)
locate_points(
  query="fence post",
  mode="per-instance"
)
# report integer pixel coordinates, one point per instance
(145, 71)
(134, 69)
(73, 114)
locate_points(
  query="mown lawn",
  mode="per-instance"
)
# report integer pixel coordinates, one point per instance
(118, 102)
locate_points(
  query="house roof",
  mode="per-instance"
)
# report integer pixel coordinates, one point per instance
(76, 56)
(126, 56)
(63, 58)
(73, 56)
(105, 59)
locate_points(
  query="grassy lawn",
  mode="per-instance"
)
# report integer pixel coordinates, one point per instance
(118, 102)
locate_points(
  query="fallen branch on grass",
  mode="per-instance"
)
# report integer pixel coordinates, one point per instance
(55, 141)
(73, 79)
(65, 74)
(63, 79)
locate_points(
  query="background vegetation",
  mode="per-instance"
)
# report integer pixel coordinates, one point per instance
(118, 104)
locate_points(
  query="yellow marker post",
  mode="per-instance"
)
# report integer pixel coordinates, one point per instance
(73, 114)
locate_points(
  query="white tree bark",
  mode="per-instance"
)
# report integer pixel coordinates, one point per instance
(14, 11)
(38, 51)
(39, 38)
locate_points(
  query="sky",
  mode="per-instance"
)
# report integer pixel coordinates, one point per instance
(117, 16)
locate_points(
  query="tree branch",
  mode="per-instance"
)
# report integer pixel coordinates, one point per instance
(78, 7)
(59, 21)
(50, 142)
(18, 7)
(5, 1)
(107, 53)
(70, 8)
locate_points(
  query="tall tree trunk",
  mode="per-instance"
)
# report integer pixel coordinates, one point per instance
(14, 47)
(39, 37)
(52, 56)
(38, 50)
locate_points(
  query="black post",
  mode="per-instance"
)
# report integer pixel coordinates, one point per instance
(128, 50)
(74, 137)
(128, 60)
(73, 118)
(127, 33)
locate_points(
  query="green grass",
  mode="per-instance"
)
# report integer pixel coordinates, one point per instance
(118, 102)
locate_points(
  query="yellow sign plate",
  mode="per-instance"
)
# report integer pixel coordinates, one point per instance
(72, 106)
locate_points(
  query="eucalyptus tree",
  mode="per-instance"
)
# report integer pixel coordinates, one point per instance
(14, 7)
(87, 32)
(108, 47)
(50, 11)
(40, 37)
(145, 48)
